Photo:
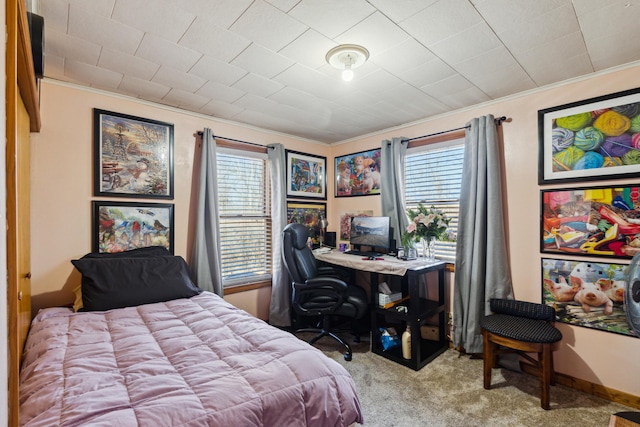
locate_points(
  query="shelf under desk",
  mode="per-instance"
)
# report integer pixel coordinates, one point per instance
(418, 310)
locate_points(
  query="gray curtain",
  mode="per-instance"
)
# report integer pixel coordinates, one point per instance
(392, 157)
(205, 265)
(482, 265)
(279, 308)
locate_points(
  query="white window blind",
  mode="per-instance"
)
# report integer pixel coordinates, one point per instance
(245, 217)
(433, 176)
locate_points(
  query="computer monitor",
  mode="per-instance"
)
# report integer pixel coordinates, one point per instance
(372, 231)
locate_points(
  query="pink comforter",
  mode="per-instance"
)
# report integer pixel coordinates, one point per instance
(186, 362)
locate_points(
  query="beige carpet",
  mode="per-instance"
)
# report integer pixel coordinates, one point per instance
(449, 392)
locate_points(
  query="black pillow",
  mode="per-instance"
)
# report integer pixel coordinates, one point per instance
(116, 282)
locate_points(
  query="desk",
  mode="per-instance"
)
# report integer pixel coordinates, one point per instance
(418, 312)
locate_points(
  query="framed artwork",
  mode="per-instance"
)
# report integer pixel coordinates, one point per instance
(345, 222)
(594, 221)
(309, 215)
(594, 139)
(586, 293)
(133, 156)
(306, 175)
(122, 226)
(358, 174)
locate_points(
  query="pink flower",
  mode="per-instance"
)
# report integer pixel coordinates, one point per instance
(411, 228)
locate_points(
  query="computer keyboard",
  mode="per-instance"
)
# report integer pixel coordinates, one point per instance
(364, 253)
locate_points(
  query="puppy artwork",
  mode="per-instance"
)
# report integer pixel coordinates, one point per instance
(358, 174)
(370, 181)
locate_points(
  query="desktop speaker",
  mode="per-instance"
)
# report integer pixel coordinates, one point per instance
(36, 32)
(330, 238)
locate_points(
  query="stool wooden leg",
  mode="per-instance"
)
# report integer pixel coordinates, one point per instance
(546, 365)
(553, 370)
(488, 358)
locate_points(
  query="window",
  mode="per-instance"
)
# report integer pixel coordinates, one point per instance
(245, 217)
(433, 175)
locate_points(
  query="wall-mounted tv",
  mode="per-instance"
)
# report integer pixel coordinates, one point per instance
(372, 231)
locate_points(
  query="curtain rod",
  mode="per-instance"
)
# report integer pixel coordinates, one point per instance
(497, 121)
(200, 133)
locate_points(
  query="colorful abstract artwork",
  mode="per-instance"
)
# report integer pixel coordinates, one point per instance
(598, 221)
(306, 176)
(309, 215)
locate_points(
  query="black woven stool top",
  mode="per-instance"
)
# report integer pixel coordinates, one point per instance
(521, 328)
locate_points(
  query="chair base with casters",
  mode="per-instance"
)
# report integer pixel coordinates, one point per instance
(521, 327)
(326, 331)
(351, 307)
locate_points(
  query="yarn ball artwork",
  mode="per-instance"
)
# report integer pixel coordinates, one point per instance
(590, 160)
(574, 122)
(589, 139)
(567, 158)
(612, 124)
(635, 141)
(561, 138)
(628, 110)
(631, 157)
(596, 113)
(612, 162)
(616, 146)
(635, 124)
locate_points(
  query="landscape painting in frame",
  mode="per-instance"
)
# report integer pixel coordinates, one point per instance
(306, 175)
(133, 156)
(594, 139)
(358, 174)
(309, 215)
(594, 221)
(586, 293)
(123, 226)
(345, 222)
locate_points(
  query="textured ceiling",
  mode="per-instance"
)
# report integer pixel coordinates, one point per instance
(262, 62)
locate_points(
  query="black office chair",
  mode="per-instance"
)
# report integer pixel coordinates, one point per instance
(314, 295)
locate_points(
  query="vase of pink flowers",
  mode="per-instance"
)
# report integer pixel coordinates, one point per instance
(426, 225)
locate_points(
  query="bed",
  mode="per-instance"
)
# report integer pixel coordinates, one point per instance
(126, 359)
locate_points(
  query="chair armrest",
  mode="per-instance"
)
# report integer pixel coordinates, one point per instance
(321, 282)
(319, 295)
(337, 272)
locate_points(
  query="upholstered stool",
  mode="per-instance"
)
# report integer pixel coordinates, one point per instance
(521, 327)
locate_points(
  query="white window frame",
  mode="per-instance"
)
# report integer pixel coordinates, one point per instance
(266, 276)
(444, 250)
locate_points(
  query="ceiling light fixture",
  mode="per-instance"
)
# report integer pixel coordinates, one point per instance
(347, 57)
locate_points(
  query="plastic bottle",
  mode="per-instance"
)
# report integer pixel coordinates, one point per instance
(406, 343)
